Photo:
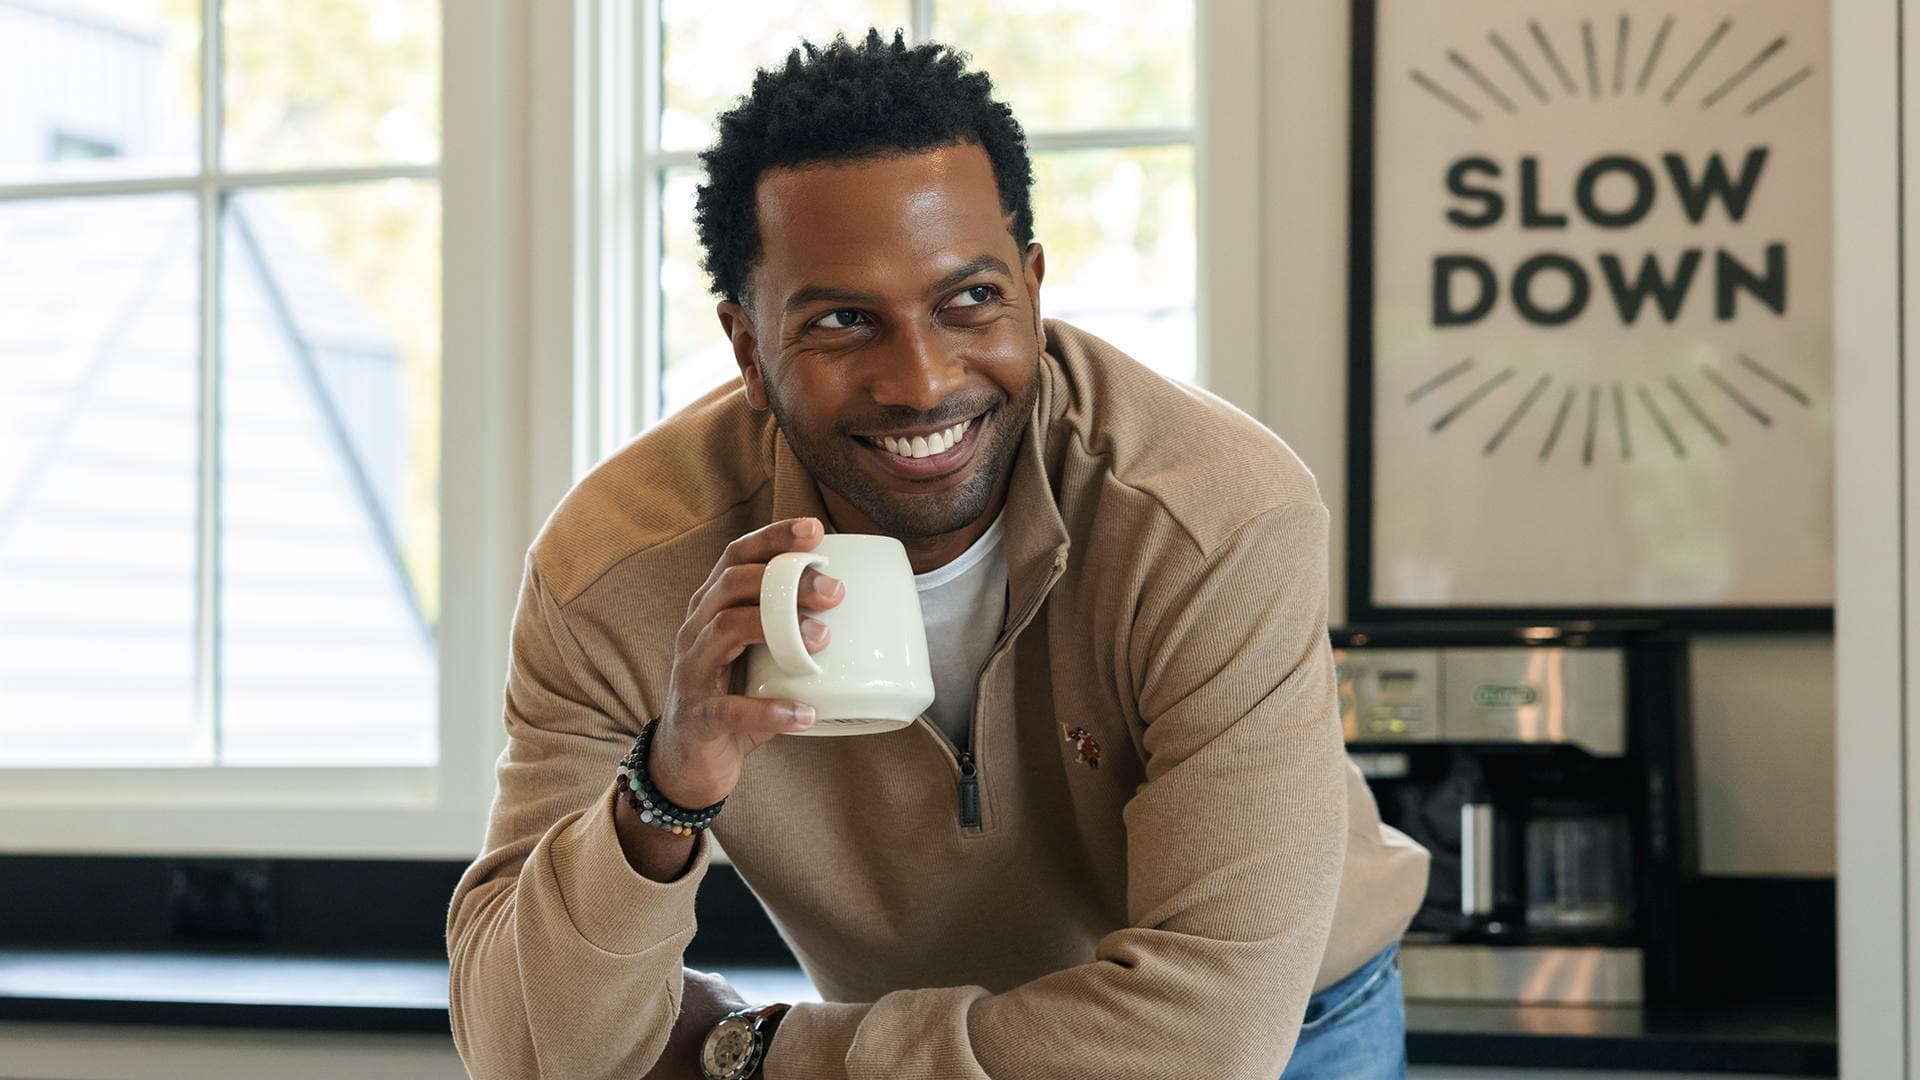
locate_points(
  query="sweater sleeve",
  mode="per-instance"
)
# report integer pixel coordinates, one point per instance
(1235, 843)
(564, 962)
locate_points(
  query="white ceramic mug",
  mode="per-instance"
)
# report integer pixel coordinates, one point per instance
(873, 675)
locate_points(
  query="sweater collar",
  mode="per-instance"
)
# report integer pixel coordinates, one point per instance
(1036, 539)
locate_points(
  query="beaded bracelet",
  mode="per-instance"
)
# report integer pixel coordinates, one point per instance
(654, 808)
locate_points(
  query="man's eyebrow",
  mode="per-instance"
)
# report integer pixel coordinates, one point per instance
(814, 294)
(962, 273)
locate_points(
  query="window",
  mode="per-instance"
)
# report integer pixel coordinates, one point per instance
(224, 524)
(219, 382)
(1105, 91)
(224, 521)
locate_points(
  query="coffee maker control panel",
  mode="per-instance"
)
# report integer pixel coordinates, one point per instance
(1540, 694)
(1389, 694)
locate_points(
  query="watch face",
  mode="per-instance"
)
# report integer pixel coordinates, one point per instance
(728, 1053)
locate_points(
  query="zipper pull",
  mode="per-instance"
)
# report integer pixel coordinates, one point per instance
(969, 792)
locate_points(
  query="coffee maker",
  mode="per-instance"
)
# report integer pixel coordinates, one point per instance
(1548, 771)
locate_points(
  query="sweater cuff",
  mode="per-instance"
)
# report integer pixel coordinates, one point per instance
(614, 907)
(813, 1041)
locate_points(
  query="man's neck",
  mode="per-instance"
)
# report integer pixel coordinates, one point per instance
(927, 553)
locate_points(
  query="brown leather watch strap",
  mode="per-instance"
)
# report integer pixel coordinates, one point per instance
(767, 1021)
(772, 1015)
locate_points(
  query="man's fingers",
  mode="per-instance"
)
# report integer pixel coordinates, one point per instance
(745, 715)
(725, 637)
(732, 587)
(739, 586)
(730, 631)
(818, 591)
(758, 548)
(760, 545)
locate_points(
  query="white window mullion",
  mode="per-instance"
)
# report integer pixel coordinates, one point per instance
(587, 96)
(920, 26)
(206, 711)
(605, 375)
(648, 358)
(153, 185)
(616, 378)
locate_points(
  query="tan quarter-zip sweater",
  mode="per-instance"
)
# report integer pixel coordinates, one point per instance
(1164, 914)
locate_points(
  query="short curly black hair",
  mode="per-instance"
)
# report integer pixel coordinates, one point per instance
(846, 102)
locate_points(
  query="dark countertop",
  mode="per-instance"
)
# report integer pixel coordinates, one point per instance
(409, 994)
(1771, 1039)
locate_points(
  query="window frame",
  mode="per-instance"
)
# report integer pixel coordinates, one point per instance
(492, 93)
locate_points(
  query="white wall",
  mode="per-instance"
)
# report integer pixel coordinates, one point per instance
(1763, 706)
(1876, 118)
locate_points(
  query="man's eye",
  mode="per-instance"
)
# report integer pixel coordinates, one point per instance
(844, 319)
(975, 296)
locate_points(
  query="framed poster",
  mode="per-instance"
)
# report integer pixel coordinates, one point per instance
(1591, 370)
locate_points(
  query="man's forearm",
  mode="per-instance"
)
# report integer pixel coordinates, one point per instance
(653, 852)
(574, 954)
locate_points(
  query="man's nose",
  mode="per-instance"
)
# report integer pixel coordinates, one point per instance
(916, 373)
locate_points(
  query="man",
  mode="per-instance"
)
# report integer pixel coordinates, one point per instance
(1125, 841)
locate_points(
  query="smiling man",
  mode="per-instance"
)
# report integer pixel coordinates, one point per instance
(1125, 839)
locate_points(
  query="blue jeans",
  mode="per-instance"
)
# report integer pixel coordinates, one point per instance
(1355, 1029)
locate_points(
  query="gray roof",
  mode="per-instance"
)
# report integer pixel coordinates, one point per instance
(325, 658)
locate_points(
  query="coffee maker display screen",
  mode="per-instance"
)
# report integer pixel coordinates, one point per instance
(1398, 685)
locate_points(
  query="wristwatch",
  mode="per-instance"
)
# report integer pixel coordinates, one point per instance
(738, 1043)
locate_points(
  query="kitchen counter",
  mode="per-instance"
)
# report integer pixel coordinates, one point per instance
(1775, 1040)
(402, 993)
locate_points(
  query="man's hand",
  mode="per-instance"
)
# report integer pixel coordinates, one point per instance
(705, 732)
(707, 999)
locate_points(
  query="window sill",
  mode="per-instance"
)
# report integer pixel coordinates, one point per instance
(385, 993)
(203, 989)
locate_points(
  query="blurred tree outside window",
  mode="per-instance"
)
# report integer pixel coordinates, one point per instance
(219, 382)
(1103, 88)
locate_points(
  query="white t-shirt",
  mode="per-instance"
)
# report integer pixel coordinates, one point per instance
(963, 604)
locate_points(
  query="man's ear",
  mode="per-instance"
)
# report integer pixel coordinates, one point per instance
(1034, 265)
(737, 324)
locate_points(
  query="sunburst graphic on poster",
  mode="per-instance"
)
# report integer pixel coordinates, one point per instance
(1600, 268)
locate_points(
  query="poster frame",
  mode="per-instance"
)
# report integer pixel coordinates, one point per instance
(1361, 608)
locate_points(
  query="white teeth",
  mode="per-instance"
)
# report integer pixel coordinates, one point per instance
(926, 445)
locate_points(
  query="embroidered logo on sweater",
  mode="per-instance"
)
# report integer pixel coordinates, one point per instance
(1084, 745)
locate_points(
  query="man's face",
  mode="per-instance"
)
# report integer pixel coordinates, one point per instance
(892, 300)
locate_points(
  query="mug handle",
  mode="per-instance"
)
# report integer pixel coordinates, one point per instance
(780, 611)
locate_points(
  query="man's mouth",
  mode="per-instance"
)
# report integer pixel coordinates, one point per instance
(920, 446)
(930, 455)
